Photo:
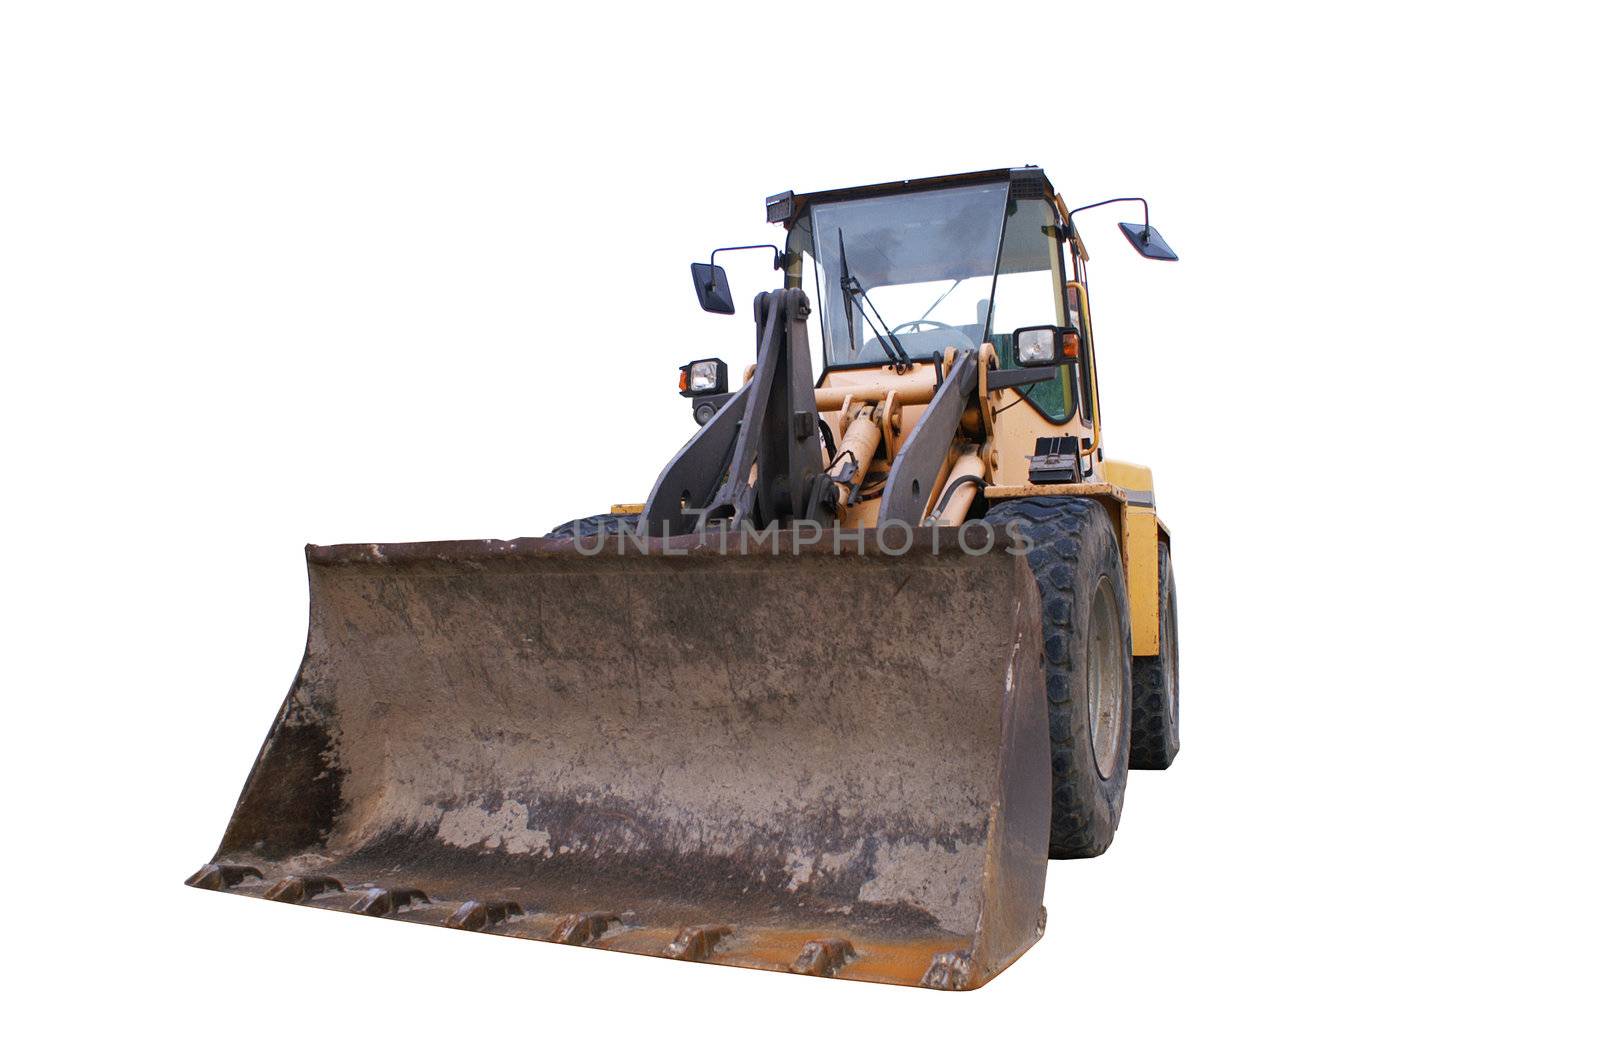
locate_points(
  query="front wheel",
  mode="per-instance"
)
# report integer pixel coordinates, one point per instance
(1077, 563)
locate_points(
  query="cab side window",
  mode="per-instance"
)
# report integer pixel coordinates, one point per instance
(1084, 381)
(1028, 291)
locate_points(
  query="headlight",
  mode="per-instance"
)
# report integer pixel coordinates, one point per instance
(703, 376)
(1036, 347)
(707, 376)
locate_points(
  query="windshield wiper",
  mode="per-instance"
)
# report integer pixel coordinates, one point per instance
(855, 295)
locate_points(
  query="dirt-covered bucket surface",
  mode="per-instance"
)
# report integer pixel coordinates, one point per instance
(832, 762)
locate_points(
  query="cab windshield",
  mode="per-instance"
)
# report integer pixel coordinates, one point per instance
(943, 267)
(918, 267)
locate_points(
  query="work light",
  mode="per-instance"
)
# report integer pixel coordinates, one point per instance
(707, 376)
(1037, 347)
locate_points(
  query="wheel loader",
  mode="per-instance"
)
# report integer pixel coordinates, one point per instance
(886, 634)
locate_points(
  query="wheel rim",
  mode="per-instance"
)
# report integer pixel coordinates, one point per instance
(1105, 679)
(1169, 662)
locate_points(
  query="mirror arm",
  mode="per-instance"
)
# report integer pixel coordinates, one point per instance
(1145, 240)
(779, 259)
(1119, 199)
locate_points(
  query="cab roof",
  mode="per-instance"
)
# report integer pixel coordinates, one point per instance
(1028, 182)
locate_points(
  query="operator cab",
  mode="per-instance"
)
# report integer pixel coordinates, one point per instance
(904, 270)
(899, 272)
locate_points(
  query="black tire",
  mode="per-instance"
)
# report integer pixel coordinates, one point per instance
(1076, 559)
(594, 526)
(1155, 683)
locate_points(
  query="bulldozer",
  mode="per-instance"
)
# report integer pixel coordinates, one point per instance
(886, 635)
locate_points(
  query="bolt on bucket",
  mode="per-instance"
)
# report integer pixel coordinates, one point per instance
(789, 758)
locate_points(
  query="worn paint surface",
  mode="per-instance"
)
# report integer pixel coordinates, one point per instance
(727, 758)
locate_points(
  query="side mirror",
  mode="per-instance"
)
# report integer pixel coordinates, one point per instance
(1147, 242)
(711, 288)
(1144, 238)
(1045, 345)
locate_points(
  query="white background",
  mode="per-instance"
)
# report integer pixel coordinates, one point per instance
(325, 272)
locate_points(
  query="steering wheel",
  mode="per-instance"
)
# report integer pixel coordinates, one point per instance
(922, 321)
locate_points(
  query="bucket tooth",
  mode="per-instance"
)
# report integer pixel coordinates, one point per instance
(697, 943)
(222, 876)
(479, 915)
(823, 956)
(580, 929)
(386, 901)
(949, 971)
(296, 889)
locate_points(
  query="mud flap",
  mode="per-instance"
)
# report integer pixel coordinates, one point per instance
(741, 752)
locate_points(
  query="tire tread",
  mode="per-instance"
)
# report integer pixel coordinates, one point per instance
(1057, 528)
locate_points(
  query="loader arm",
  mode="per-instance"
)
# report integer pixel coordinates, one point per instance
(770, 427)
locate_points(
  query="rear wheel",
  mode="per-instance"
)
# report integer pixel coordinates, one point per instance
(1155, 682)
(1077, 563)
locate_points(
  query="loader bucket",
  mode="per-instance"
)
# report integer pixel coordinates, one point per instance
(833, 764)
